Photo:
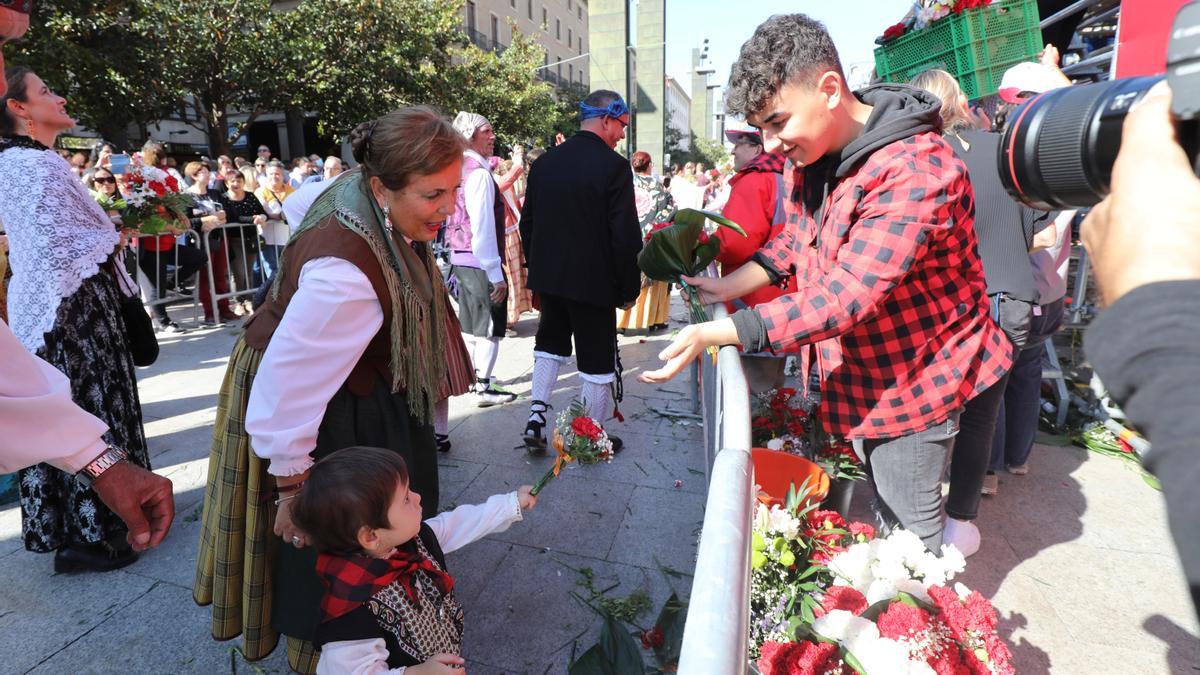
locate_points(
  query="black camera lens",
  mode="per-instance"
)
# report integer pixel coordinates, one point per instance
(1058, 149)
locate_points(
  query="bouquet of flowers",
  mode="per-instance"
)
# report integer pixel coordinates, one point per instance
(151, 200)
(926, 13)
(884, 607)
(577, 438)
(786, 420)
(683, 247)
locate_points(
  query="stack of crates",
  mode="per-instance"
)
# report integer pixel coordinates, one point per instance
(976, 47)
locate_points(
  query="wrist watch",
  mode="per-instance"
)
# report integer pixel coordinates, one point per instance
(111, 455)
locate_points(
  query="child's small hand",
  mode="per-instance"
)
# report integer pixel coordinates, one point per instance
(526, 500)
(440, 664)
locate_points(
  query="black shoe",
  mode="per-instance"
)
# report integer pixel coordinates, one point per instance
(617, 443)
(534, 436)
(99, 557)
(443, 442)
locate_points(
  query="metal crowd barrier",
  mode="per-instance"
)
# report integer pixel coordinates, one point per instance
(245, 261)
(717, 629)
(151, 289)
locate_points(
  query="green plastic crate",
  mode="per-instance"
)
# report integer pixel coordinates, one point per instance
(976, 46)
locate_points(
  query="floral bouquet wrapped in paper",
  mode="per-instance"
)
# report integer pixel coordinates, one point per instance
(151, 200)
(577, 438)
(683, 248)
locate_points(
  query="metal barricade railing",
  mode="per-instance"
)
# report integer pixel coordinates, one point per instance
(237, 272)
(152, 272)
(717, 629)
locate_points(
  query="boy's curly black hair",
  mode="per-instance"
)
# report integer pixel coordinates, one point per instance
(787, 48)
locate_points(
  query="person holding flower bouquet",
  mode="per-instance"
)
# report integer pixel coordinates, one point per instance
(65, 307)
(654, 205)
(880, 240)
(389, 598)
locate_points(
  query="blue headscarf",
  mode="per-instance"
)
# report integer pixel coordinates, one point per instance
(615, 109)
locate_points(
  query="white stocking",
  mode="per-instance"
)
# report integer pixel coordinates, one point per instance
(441, 417)
(597, 397)
(545, 374)
(486, 352)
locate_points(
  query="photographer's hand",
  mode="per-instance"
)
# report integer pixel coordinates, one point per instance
(1146, 230)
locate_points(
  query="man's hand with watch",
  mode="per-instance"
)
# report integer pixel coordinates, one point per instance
(142, 499)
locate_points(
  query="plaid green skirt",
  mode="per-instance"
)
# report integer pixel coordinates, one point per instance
(238, 546)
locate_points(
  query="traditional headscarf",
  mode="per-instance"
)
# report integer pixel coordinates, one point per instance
(615, 109)
(466, 123)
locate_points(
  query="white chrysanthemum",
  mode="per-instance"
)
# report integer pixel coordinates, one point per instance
(962, 590)
(153, 173)
(853, 566)
(953, 561)
(783, 522)
(775, 444)
(909, 546)
(880, 589)
(846, 628)
(882, 656)
(931, 571)
(889, 565)
(136, 200)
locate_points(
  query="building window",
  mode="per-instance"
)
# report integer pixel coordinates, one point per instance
(512, 3)
(529, 9)
(579, 48)
(570, 72)
(495, 32)
(470, 16)
(568, 4)
(545, 21)
(579, 13)
(570, 37)
(558, 68)
(558, 29)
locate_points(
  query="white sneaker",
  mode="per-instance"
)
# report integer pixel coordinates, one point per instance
(962, 534)
(485, 398)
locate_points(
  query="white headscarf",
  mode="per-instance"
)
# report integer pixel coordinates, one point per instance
(466, 123)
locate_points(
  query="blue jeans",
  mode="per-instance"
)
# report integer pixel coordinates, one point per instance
(1017, 422)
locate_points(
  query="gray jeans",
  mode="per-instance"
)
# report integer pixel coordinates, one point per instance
(906, 473)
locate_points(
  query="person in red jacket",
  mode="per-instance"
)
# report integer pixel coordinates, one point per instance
(755, 203)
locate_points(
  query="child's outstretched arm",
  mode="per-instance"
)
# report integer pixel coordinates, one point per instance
(369, 657)
(468, 523)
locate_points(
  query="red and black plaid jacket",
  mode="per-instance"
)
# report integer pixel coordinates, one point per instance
(892, 273)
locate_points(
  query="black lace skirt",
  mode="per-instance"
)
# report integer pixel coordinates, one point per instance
(89, 345)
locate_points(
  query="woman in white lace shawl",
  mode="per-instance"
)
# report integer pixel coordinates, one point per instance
(63, 305)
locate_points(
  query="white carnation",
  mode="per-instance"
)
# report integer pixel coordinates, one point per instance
(782, 521)
(880, 589)
(914, 588)
(953, 561)
(853, 566)
(775, 444)
(931, 570)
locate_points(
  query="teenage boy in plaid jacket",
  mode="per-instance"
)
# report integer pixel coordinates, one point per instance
(880, 239)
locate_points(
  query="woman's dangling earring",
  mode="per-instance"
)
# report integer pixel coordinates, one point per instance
(387, 216)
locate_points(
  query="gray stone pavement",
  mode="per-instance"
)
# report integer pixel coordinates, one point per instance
(1076, 555)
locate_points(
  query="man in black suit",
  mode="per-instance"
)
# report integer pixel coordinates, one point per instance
(580, 232)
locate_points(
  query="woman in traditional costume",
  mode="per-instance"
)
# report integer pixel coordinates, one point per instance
(352, 347)
(64, 305)
(654, 205)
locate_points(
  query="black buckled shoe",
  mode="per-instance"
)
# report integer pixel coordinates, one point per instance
(100, 557)
(535, 435)
(442, 441)
(617, 443)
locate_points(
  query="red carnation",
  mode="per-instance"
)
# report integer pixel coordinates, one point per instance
(896, 30)
(586, 427)
(843, 597)
(652, 638)
(172, 184)
(703, 238)
(798, 658)
(158, 188)
(863, 530)
(825, 519)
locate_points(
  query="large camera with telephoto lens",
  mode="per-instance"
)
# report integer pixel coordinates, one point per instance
(1058, 149)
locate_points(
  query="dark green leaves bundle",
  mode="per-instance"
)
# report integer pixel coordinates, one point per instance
(683, 248)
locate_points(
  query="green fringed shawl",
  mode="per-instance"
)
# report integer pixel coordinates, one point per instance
(418, 309)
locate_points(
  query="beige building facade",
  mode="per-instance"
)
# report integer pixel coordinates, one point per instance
(561, 26)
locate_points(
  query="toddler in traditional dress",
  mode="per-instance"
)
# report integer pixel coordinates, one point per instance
(389, 602)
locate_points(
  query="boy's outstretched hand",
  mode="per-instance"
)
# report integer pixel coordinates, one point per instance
(440, 664)
(526, 500)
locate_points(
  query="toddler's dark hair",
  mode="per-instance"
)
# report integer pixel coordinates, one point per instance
(348, 489)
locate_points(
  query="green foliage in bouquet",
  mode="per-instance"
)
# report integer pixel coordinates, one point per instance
(684, 248)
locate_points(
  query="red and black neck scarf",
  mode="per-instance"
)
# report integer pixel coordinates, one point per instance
(766, 162)
(352, 580)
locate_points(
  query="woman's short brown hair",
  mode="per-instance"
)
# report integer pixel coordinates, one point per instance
(414, 140)
(640, 161)
(346, 491)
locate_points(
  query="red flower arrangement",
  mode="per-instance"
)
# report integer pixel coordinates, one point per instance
(800, 658)
(894, 31)
(586, 427)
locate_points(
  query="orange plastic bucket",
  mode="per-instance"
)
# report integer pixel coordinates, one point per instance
(776, 471)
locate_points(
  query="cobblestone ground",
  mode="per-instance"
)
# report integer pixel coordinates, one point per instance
(1076, 555)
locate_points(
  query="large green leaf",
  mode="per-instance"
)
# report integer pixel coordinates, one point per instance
(620, 648)
(676, 249)
(670, 621)
(593, 662)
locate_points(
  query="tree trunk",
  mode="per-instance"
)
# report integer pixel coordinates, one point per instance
(218, 130)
